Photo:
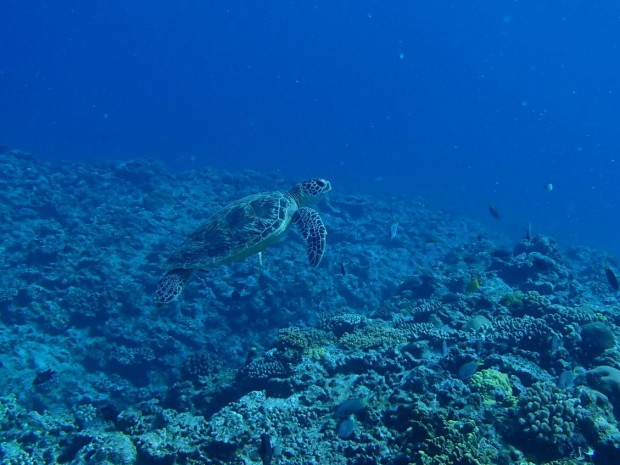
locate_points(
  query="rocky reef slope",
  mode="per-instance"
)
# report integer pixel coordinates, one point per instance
(439, 344)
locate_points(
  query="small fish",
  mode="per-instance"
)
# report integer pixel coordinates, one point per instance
(445, 350)
(566, 379)
(479, 342)
(349, 407)
(494, 212)
(528, 232)
(345, 428)
(43, 377)
(548, 187)
(611, 278)
(393, 230)
(343, 270)
(260, 258)
(467, 370)
(265, 451)
(473, 285)
(586, 455)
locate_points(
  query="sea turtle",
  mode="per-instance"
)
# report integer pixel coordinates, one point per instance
(245, 227)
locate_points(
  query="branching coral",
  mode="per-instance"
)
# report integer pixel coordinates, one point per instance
(372, 337)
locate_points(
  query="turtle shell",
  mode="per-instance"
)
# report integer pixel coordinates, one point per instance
(242, 228)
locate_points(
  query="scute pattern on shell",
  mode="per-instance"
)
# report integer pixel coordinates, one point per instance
(238, 230)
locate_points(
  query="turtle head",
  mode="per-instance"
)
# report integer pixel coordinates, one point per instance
(310, 191)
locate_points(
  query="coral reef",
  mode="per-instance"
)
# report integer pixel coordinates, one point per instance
(547, 421)
(442, 345)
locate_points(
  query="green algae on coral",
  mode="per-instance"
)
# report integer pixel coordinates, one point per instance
(492, 385)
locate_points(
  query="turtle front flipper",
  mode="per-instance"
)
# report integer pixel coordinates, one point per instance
(313, 231)
(171, 285)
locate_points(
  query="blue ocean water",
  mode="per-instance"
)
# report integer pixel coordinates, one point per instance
(463, 103)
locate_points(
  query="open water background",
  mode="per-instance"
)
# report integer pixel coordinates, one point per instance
(461, 103)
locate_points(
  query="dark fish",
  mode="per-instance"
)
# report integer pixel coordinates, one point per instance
(251, 355)
(349, 407)
(44, 377)
(343, 270)
(494, 212)
(265, 451)
(528, 232)
(431, 239)
(109, 412)
(611, 278)
(502, 254)
(345, 429)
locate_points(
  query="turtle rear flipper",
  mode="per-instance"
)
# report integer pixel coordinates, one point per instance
(313, 232)
(171, 285)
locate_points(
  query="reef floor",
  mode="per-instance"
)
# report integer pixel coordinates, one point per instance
(420, 339)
